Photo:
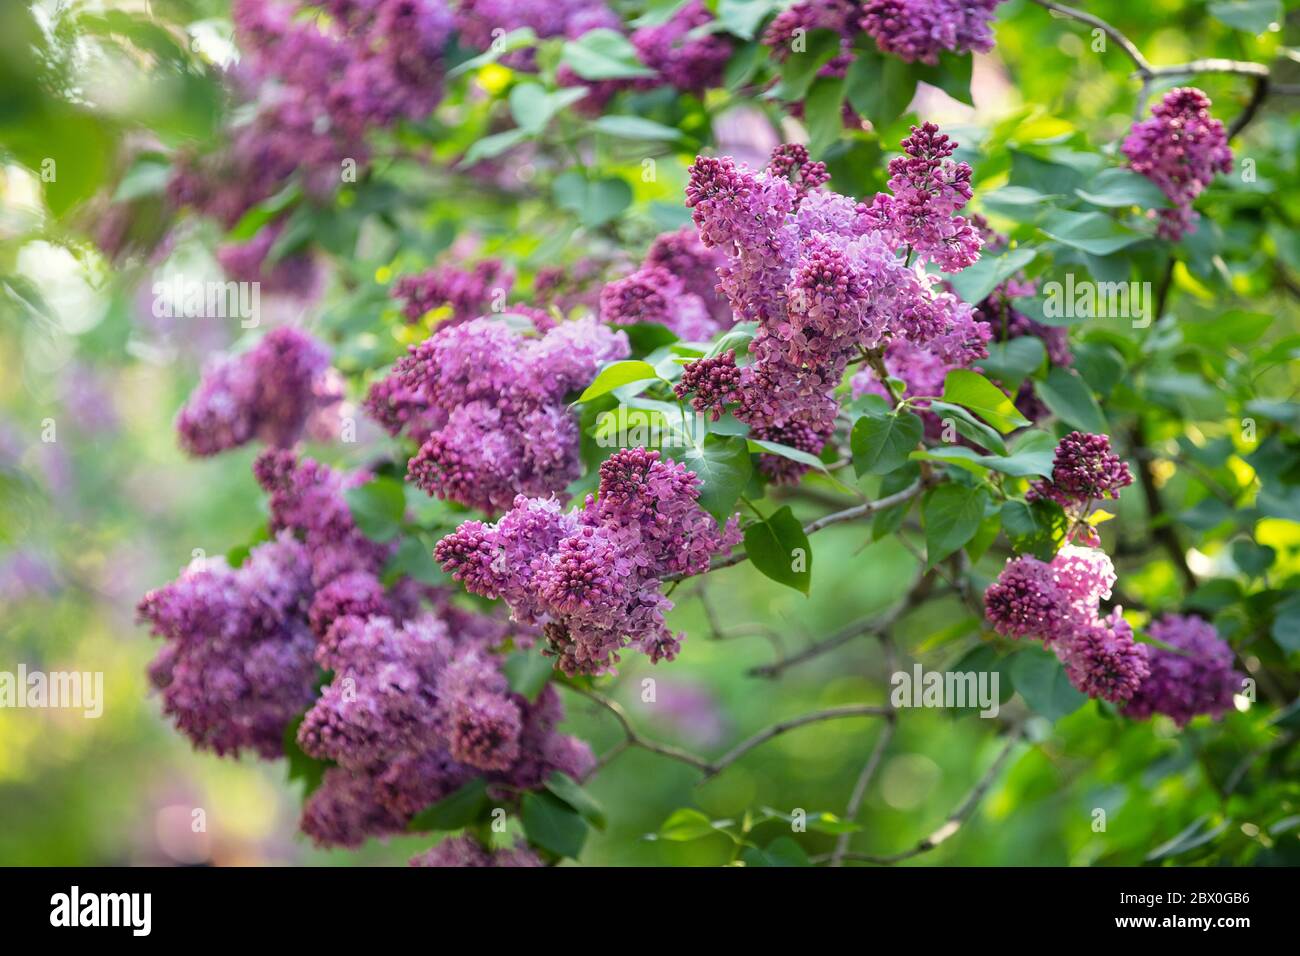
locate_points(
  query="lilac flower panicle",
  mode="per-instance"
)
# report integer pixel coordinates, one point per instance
(919, 30)
(270, 393)
(467, 292)
(1103, 661)
(591, 577)
(1180, 148)
(465, 851)
(1084, 469)
(713, 382)
(236, 666)
(1195, 678)
(1026, 601)
(683, 56)
(653, 294)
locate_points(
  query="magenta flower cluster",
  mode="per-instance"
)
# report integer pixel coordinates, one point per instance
(1193, 675)
(468, 293)
(487, 404)
(827, 277)
(317, 86)
(271, 393)
(1180, 149)
(1056, 602)
(1084, 470)
(912, 30)
(591, 576)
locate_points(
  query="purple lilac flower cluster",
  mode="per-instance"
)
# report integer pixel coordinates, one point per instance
(674, 287)
(465, 851)
(487, 404)
(591, 577)
(681, 53)
(1084, 470)
(912, 30)
(468, 293)
(236, 666)
(271, 393)
(1057, 602)
(316, 86)
(827, 277)
(1180, 148)
(1194, 676)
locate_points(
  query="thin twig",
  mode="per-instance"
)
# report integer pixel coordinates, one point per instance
(955, 819)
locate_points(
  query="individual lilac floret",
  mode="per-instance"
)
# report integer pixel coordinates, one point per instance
(468, 293)
(919, 30)
(1084, 470)
(591, 577)
(269, 393)
(489, 404)
(237, 665)
(465, 851)
(1195, 678)
(653, 294)
(1180, 148)
(1103, 661)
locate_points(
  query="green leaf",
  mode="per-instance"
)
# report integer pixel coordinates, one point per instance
(1249, 16)
(533, 107)
(635, 127)
(604, 54)
(759, 446)
(1041, 681)
(951, 513)
(148, 177)
(881, 443)
(977, 281)
(617, 374)
(1036, 528)
(377, 508)
(742, 17)
(969, 426)
(951, 74)
(1031, 456)
(1286, 624)
(552, 825)
(723, 466)
(1092, 232)
(494, 145)
(1071, 401)
(1118, 187)
(517, 39)
(879, 87)
(783, 851)
(414, 559)
(1014, 361)
(456, 810)
(1252, 558)
(779, 548)
(973, 391)
(596, 201)
(800, 67)
(528, 671)
(564, 787)
(823, 113)
(685, 824)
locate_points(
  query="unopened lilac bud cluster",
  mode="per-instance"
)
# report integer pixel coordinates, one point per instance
(591, 576)
(270, 393)
(236, 666)
(713, 382)
(487, 403)
(1084, 470)
(1057, 602)
(468, 293)
(1180, 149)
(826, 277)
(1193, 675)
